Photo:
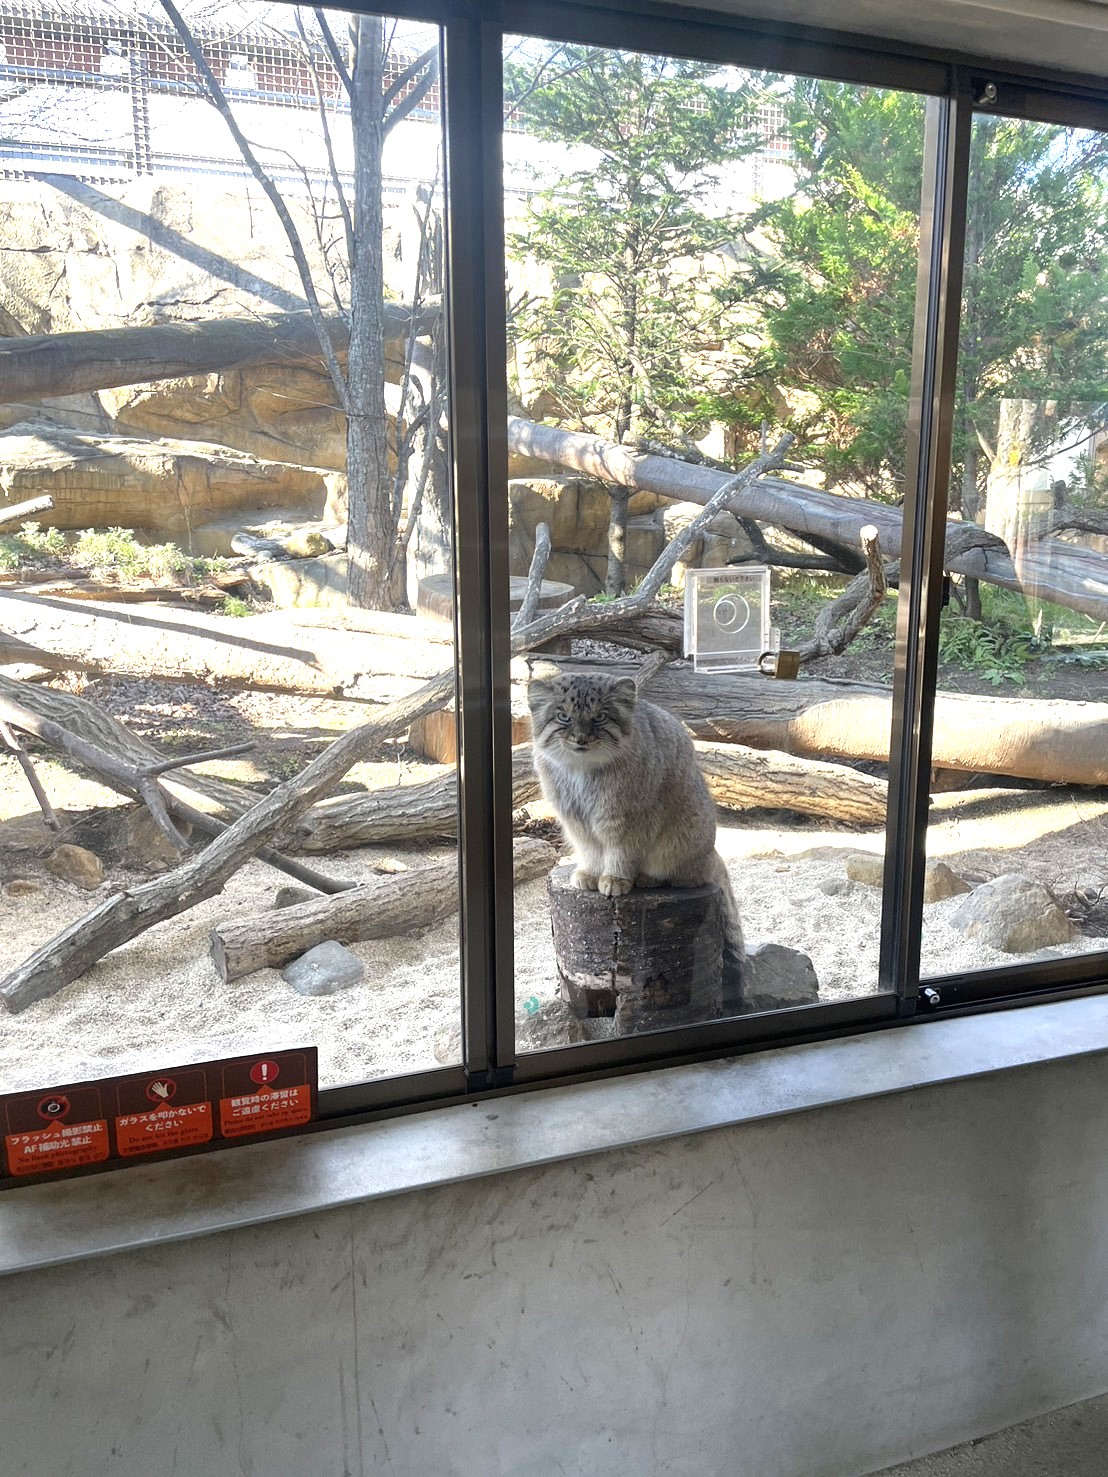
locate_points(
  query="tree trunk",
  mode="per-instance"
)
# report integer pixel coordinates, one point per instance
(741, 778)
(617, 544)
(370, 526)
(1076, 578)
(423, 812)
(376, 910)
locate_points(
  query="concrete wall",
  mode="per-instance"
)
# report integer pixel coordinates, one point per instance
(815, 1295)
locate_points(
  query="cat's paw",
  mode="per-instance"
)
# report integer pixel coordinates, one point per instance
(614, 886)
(644, 880)
(583, 880)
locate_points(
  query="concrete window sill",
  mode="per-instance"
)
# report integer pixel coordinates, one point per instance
(44, 1225)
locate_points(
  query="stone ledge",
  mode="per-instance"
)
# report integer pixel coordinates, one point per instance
(74, 1220)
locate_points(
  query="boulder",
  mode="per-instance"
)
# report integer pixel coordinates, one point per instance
(161, 487)
(1013, 914)
(776, 978)
(547, 1024)
(324, 969)
(540, 1026)
(288, 897)
(143, 845)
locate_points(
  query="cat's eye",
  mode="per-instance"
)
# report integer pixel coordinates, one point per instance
(561, 716)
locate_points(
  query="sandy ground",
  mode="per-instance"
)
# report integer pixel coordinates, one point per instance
(158, 1001)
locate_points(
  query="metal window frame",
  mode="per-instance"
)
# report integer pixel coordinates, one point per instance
(472, 36)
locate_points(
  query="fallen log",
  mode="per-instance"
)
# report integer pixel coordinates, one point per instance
(267, 653)
(44, 365)
(18, 512)
(376, 910)
(1047, 740)
(125, 916)
(1048, 570)
(422, 812)
(741, 778)
(57, 587)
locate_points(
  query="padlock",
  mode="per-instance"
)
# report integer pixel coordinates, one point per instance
(785, 664)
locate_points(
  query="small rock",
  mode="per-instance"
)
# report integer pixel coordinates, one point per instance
(836, 886)
(324, 970)
(76, 864)
(145, 846)
(22, 887)
(1012, 914)
(305, 543)
(555, 1023)
(288, 896)
(447, 1047)
(939, 883)
(864, 866)
(775, 978)
(391, 865)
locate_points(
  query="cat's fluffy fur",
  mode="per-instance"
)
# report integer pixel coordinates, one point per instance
(622, 776)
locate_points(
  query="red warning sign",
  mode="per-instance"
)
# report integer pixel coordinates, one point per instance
(60, 1129)
(181, 1118)
(75, 1131)
(251, 1102)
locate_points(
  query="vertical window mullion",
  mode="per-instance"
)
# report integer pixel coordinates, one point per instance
(930, 422)
(475, 286)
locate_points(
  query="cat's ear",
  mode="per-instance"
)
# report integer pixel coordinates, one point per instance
(539, 693)
(625, 693)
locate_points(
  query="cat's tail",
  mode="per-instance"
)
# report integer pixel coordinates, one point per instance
(734, 947)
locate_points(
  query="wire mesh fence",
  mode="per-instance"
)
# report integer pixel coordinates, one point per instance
(105, 92)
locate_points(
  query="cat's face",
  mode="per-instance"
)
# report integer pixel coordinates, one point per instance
(581, 722)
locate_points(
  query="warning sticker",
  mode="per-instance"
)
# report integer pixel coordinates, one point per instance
(61, 1129)
(181, 1115)
(48, 1131)
(164, 1128)
(266, 1094)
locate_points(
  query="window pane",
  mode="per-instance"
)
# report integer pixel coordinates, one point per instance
(1018, 813)
(701, 259)
(250, 537)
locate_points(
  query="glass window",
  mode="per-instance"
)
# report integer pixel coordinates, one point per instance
(700, 260)
(227, 248)
(1018, 815)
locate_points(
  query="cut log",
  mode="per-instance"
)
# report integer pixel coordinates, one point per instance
(423, 812)
(376, 910)
(435, 597)
(1070, 576)
(652, 959)
(41, 366)
(741, 778)
(1040, 739)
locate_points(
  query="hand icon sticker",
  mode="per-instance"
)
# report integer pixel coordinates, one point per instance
(161, 1089)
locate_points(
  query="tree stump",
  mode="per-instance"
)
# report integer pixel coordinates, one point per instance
(652, 959)
(435, 596)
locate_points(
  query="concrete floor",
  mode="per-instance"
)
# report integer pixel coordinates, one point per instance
(1067, 1443)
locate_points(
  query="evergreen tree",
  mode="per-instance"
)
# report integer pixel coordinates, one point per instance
(632, 340)
(839, 320)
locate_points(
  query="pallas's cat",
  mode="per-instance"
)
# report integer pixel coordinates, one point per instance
(622, 776)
